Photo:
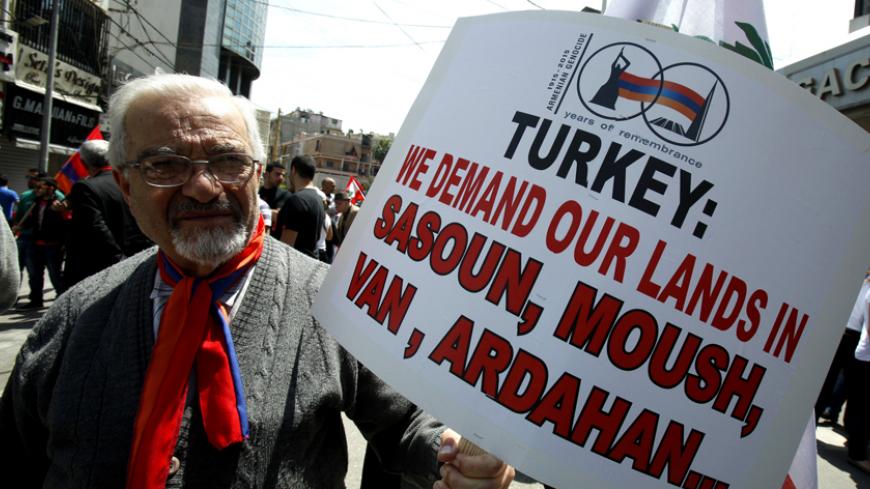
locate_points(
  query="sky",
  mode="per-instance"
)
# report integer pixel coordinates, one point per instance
(364, 61)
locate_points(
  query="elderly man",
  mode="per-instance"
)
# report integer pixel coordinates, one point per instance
(199, 364)
(102, 230)
(347, 213)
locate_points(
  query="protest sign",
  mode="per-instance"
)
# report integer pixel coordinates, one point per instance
(610, 254)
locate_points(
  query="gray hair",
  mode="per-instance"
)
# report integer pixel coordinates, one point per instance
(95, 153)
(173, 85)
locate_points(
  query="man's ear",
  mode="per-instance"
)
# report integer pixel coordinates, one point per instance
(123, 183)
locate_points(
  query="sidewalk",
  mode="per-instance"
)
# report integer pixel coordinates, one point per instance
(834, 471)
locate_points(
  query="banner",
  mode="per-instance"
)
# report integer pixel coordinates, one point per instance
(610, 254)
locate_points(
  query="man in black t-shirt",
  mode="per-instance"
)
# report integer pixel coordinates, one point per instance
(273, 194)
(302, 216)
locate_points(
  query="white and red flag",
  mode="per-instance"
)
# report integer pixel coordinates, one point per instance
(354, 188)
(739, 26)
(736, 25)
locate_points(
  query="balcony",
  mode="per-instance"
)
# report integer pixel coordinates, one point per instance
(81, 35)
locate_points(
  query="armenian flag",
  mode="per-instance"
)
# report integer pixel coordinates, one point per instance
(74, 169)
(678, 97)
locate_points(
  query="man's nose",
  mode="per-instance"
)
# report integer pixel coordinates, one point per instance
(202, 185)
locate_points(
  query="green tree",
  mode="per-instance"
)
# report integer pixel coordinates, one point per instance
(381, 148)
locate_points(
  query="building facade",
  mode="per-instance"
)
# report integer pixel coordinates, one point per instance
(338, 155)
(101, 45)
(344, 153)
(241, 46)
(840, 76)
(78, 83)
(286, 128)
(143, 39)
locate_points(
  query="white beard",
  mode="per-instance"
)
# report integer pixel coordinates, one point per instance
(210, 246)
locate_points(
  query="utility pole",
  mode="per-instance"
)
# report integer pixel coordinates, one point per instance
(5, 16)
(49, 88)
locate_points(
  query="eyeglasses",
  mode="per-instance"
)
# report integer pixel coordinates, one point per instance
(167, 171)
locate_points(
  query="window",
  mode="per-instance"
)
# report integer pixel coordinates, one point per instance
(81, 36)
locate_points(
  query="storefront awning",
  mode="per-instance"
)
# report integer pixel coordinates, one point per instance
(58, 96)
(52, 148)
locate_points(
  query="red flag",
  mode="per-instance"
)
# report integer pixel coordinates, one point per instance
(74, 169)
(355, 189)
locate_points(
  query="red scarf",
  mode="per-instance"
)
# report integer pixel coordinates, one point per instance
(194, 327)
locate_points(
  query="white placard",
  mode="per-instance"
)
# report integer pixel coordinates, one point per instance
(610, 254)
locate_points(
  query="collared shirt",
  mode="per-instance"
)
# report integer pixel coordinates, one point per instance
(231, 299)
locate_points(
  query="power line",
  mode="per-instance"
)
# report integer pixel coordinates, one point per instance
(493, 3)
(162, 57)
(535, 4)
(351, 19)
(147, 34)
(130, 48)
(145, 19)
(398, 26)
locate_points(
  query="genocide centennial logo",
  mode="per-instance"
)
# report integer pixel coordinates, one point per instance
(685, 104)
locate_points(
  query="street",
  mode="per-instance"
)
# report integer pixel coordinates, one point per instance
(834, 470)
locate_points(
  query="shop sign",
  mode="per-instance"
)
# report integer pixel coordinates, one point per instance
(70, 123)
(68, 80)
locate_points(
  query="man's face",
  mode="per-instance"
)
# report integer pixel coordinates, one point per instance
(202, 223)
(43, 190)
(31, 180)
(275, 177)
(342, 205)
(328, 186)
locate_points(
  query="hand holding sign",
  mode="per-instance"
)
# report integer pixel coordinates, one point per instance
(465, 467)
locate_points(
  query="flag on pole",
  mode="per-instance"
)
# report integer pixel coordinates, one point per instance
(74, 169)
(354, 188)
(739, 26)
(736, 25)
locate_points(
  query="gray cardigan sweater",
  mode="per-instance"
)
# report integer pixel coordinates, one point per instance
(9, 272)
(66, 418)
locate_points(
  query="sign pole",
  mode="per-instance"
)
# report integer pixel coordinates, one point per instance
(49, 85)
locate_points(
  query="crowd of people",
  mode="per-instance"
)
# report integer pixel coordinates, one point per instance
(70, 236)
(313, 220)
(196, 362)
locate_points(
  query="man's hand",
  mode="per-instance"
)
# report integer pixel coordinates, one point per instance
(461, 471)
(59, 206)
